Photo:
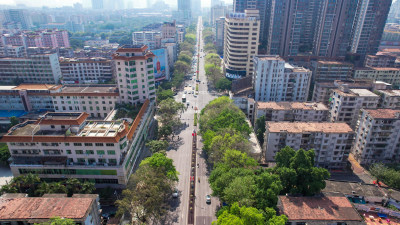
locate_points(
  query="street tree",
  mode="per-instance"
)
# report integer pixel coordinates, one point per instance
(240, 215)
(58, 221)
(159, 161)
(260, 129)
(185, 58)
(223, 84)
(182, 66)
(164, 94)
(157, 145)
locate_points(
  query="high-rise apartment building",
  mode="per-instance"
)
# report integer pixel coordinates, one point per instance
(69, 145)
(38, 69)
(346, 104)
(97, 4)
(380, 61)
(389, 99)
(333, 27)
(41, 38)
(150, 38)
(241, 43)
(389, 75)
(217, 12)
(185, 9)
(219, 34)
(377, 137)
(135, 73)
(331, 141)
(330, 71)
(86, 70)
(368, 25)
(18, 17)
(275, 80)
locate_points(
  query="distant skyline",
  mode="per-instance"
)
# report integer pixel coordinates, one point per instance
(60, 3)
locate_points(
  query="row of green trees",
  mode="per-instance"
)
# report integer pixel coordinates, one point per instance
(32, 185)
(149, 190)
(388, 175)
(250, 191)
(212, 64)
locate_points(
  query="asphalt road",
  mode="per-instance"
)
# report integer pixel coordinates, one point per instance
(181, 153)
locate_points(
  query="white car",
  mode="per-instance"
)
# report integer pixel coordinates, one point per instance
(208, 199)
(185, 92)
(175, 194)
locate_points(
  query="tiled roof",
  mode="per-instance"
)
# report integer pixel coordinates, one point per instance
(383, 113)
(318, 208)
(291, 105)
(44, 208)
(37, 87)
(300, 127)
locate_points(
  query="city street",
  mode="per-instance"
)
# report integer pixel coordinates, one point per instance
(204, 213)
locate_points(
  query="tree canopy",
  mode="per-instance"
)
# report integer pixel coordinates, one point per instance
(58, 221)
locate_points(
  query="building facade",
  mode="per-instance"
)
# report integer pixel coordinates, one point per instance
(41, 38)
(380, 61)
(241, 34)
(389, 99)
(377, 137)
(275, 80)
(331, 70)
(135, 74)
(37, 69)
(389, 75)
(18, 18)
(149, 38)
(68, 145)
(331, 141)
(346, 104)
(86, 70)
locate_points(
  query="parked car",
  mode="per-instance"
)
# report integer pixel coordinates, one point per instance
(208, 199)
(175, 194)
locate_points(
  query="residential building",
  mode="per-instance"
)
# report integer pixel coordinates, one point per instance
(168, 30)
(277, 81)
(333, 27)
(38, 69)
(331, 141)
(12, 51)
(368, 26)
(97, 4)
(322, 210)
(219, 35)
(217, 12)
(41, 38)
(28, 97)
(377, 139)
(380, 61)
(135, 73)
(96, 100)
(291, 26)
(18, 17)
(68, 145)
(346, 104)
(149, 38)
(83, 209)
(323, 90)
(389, 75)
(389, 99)
(331, 70)
(241, 39)
(86, 70)
(291, 111)
(185, 11)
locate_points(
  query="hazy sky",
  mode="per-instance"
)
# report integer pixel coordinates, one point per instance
(58, 3)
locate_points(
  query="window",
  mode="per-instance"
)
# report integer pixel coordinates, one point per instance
(79, 152)
(99, 144)
(100, 152)
(77, 144)
(110, 152)
(66, 144)
(88, 144)
(112, 161)
(69, 152)
(89, 152)
(109, 144)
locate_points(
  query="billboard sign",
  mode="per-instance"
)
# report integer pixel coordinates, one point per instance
(160, 64)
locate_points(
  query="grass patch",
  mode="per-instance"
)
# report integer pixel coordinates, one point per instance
(195, 119)
(197, 87)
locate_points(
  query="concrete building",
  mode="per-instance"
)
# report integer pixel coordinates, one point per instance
(331, 141)
(380, 61)
(331, 70)
(86, 70)
(185, 11)
(135, 74)
(41, 38)
(149, 38)
(217, 12)
(323, 90)
(219, 35)
(13, 51)
(97, 4)
(168, 30)
(319, 210)
(96, 100)
(368, 26)
(333, 27)
(389, 75)
(38, 69)
(346, 104)
(377, 139)
(291, 111)
(389, 99)
(68, 145)
(18, 17)
(83, 209)
(241, 43)
(275, 80)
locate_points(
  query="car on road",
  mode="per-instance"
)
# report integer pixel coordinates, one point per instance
(185, 85)
(192, 92)
(190, 85)
(185, 92)
(208, 199)
(175, 194)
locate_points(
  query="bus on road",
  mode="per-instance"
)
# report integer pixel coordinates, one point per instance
(183, 98)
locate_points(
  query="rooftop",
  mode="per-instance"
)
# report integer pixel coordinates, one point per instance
(390, 92)
(37, 87)
(301, 127)
(337, 208)
(334, 63)
(31, 208)
(132, 48)
(291, 105)
(383, 113)
(270, 57)
(356, 92)
(377, 68)
(96, 89)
